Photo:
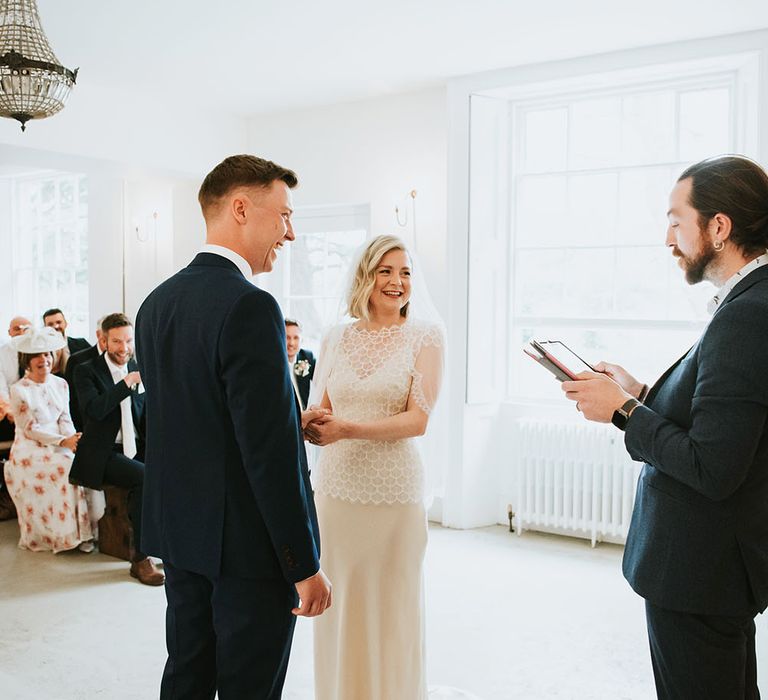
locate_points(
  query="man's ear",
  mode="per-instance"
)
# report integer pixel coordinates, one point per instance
(238, 206)
(721, 226)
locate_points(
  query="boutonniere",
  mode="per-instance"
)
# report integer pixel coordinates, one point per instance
(301, 368)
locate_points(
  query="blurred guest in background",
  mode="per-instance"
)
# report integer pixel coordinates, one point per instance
(301, 362)
(54, 318)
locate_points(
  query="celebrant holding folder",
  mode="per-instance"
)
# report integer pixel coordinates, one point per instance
(697, 548)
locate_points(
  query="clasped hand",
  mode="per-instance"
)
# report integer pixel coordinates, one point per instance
(71, 441)
(321, 427)
(599, 394)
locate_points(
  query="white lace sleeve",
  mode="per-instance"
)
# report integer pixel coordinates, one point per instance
(428, 367)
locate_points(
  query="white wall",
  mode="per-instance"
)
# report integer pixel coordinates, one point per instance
(371, 152)
(127, 144)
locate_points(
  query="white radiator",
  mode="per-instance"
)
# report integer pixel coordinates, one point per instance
(573, 479)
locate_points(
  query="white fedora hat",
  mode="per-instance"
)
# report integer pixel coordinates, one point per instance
(33, 341)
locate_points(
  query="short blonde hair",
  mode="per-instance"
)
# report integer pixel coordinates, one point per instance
(364, 277)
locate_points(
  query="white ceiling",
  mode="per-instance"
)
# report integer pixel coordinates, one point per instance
(244, 57)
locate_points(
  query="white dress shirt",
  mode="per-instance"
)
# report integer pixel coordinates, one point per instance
(733, 280)
(292, 372)
(127, 434)
(230, 255)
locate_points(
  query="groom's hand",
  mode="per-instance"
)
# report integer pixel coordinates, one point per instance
(312, 413)
(314, 595)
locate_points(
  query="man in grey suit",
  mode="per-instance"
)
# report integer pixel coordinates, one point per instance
(697, 548)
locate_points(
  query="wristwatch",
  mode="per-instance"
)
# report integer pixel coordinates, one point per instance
(621, 415)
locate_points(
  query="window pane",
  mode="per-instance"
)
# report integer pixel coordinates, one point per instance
(542, 211)
(546, 140)
(568, 283)
(307, 258)
(588, 282)
(705, 128)
(595, 139)
(316, 316)
(643, 194)
(538, 288)
(642, 289)
(341, 249)
(592, 209)
(648, 128)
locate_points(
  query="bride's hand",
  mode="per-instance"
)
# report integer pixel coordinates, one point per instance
(326, 430)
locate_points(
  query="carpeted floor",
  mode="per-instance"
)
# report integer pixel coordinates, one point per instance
(509, 618)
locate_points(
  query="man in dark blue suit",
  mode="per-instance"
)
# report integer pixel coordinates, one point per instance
(227, 500)
(111, 449)
(301, 362)
(697, 548)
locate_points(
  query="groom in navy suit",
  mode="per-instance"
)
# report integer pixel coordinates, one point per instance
(227, 501)
(697, 548)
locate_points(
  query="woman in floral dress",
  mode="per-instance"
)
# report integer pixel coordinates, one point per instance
(53, 514)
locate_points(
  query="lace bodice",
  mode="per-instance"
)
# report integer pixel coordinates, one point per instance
(372, 376)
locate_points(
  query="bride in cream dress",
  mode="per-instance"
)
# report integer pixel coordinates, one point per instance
(380, 376)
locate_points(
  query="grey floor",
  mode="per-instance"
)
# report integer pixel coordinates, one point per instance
(509, 618)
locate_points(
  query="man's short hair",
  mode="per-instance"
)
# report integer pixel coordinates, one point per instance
(114, 321)
(52, 312)
(737, 187)
(241, 171)
(292, 322)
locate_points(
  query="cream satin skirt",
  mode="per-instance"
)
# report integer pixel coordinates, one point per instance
(370, 644)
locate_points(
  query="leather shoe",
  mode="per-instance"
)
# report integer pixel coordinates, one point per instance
(147, 572)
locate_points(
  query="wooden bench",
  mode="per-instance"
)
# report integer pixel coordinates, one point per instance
(115, 529)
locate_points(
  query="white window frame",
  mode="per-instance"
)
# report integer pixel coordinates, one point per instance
(736, 72)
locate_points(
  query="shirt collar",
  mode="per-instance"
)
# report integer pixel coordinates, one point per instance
(230, 255)
(115, 369)
(725, 290)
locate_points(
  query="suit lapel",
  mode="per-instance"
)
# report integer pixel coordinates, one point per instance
(101, 369)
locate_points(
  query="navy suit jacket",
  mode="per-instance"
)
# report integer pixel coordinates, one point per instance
(76, 345)
(226, 485)
(303, 382)
(698, 540)
(99, 400)
(79, 358)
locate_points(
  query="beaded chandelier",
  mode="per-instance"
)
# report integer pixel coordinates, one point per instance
(33, 84)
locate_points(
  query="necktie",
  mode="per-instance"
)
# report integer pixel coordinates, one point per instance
(126, 421)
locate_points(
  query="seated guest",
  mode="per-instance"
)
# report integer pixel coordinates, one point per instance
(80, 357)
(301, 362)
(9, 375)
(111, 451)
(52, 513)
(54, 318)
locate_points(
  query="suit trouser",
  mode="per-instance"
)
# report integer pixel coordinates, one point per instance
(702, 657)
(128, 474)
(226, 634)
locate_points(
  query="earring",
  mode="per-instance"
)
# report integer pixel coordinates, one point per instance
(719, 245)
